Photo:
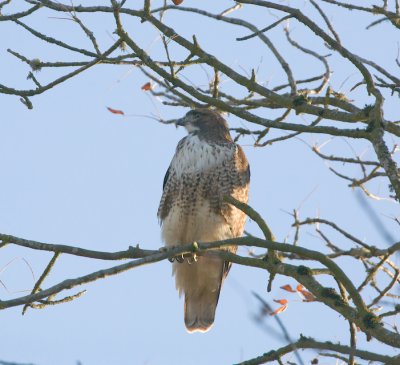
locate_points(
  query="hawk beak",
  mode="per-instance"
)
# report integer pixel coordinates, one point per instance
(180, 122)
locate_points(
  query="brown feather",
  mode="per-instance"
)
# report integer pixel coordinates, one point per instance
(207, 166)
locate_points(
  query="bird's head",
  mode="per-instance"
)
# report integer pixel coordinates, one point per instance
(205, 123)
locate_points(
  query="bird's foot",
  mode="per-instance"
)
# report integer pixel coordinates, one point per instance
(193, 257)
(190, 258)
(180, 258)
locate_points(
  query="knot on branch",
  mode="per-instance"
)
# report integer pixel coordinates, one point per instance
(303, 270)
(300, 100)
(36, 64)
(371, 321)
(333, 295)
(304, 338)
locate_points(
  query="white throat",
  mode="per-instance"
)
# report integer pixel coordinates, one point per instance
(198, 156)
(191, 128)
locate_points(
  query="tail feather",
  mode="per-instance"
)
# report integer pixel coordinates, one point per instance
(200, 311)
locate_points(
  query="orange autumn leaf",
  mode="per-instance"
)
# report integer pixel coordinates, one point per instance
(299, 287)
(288, 288)
(308, 297)
(115, 111)
(281, 301)
(147, 86)
(177, 2)
(279, 310)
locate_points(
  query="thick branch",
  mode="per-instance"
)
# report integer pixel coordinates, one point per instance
(361, 316)
(309, 343)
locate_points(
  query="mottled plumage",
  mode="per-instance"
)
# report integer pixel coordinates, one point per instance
(207, 166)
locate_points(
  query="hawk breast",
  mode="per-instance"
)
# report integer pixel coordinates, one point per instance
(201, 174)
(194, 156)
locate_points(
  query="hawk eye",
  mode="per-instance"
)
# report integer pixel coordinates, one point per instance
(193, 114)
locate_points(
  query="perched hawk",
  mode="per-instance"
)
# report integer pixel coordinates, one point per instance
(207, 166)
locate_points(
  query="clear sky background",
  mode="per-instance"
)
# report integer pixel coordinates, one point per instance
(73, 173)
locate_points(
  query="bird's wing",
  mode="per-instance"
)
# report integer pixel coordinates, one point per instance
(166, 177)
(232, 178)
(170, 187)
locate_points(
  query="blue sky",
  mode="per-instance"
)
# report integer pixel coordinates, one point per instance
(73, 173)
